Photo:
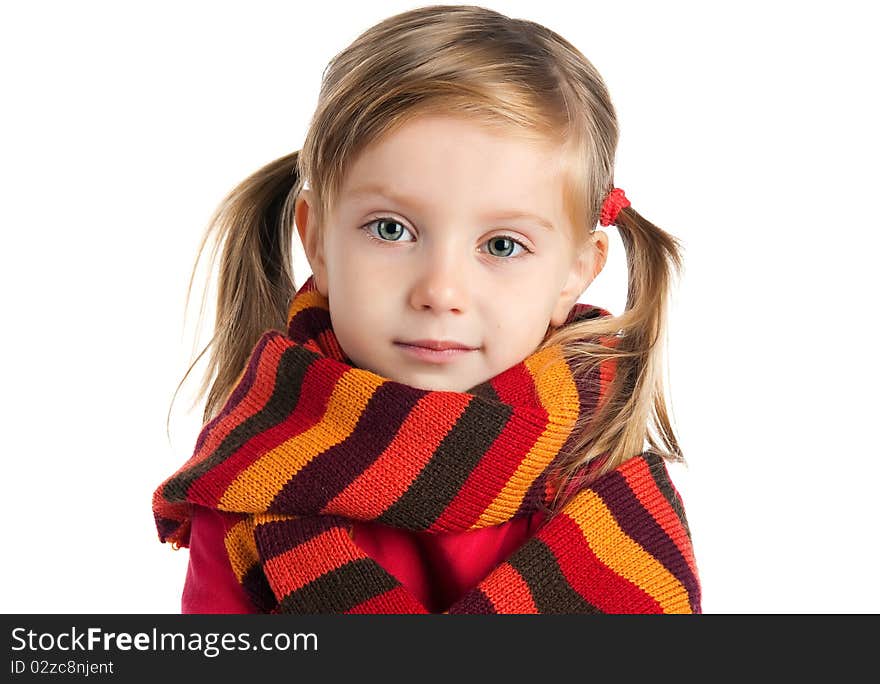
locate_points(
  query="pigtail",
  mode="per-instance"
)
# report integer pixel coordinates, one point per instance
(654, 259)
(254, 227)
(633, 415)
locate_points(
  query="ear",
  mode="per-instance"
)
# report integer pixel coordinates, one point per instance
(587, 264)
(311, 237)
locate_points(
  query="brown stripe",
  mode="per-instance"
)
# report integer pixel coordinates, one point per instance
(341, 590)
(552, 593)
(657, 468)
(330, 472)
(291, 369)
(308, 324)
(276, 537)
(450, 466)
(534, 499)
(473, 602)
(166, 526)
(583, 312)
(257, 588)
(638, 524)
(240, 391)
(484, 390)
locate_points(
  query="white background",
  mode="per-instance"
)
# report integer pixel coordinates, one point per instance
(748, 131)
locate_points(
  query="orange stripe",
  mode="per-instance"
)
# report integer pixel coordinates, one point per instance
(508, 591)
(389, 476)
(303, 301)
(624, 555)
(240, 544)
(559, 396)
(598, 584)
(258, 484)
(315, 390)
(490, 475)
(241, 548)
(305, 562)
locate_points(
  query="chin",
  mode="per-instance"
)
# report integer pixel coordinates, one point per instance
(427, 385)
(430, 385)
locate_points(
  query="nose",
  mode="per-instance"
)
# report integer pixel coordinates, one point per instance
(441, 284)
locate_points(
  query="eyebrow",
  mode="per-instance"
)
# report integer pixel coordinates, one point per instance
(379, 191)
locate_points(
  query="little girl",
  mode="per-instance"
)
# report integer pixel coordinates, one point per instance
(432, 423)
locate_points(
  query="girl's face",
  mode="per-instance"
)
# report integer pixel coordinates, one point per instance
(447, 232)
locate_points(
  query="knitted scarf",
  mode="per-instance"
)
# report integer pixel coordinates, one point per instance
(306, 443)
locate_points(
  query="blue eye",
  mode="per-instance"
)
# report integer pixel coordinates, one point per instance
(387, 229)
(504, 243)
(384, 232)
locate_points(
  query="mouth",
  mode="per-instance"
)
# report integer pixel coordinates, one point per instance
(436, 345)
(435, 351)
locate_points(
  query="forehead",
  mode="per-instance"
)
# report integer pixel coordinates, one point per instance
(451, 158)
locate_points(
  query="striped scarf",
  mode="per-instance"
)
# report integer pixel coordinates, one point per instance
(306, 444)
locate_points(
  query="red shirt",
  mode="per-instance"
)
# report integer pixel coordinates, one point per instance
(437, 569)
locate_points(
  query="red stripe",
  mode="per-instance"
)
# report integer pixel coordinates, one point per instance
(607, 370)
(491, 474)
(254, 400)
(508, 591)
(606, 375)
(590, 577)
(328, 341)
(516, 386)
(293, 569)
(638, 476)
(393, 601)
(389, 476)
(317, 386)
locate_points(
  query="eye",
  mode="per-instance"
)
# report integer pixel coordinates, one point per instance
(387, 229)
(503, 244)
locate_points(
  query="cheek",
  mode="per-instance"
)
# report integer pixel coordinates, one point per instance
(359, 311)
(532, 297)
(357, 266)
(521, 326)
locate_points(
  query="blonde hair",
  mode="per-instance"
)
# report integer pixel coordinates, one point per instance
(510, 74)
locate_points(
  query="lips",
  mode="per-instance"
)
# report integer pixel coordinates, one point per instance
(437, 345)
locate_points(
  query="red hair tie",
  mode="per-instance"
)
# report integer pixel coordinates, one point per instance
(614, 202)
